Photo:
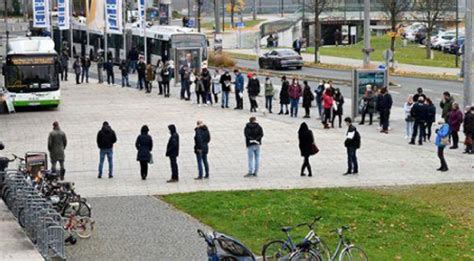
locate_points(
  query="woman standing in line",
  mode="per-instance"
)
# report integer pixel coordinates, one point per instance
(368, 105)
(409, 120)
(144, 146)
(455, 120)
(268, 94)
(306, 144)
(216, 86)
(442, 140)
(308, 98)
(337, 109)
(150, 77)
(284, 97)
(295, 93)
(327, 106)
(430, 117)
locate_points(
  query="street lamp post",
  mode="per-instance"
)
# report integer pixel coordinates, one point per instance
(367, 49)
(457, 31)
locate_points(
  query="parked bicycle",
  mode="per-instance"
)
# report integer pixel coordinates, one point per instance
(77, 226)
(224, 248)
(345, 250)
(310, 248)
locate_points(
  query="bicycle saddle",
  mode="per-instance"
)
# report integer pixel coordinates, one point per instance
(286, 229)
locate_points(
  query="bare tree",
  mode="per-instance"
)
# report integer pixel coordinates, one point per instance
(318, 6)
(394, 9)
(432, 11)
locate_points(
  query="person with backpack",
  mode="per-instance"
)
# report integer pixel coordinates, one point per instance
(442, 140)
(352, 144)
(202, 137)
(307, 147)
(308, 98)
(144, 146)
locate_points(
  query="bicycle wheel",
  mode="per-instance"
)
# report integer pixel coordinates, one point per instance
(84, 227)
(276, 250)
(323, 250)
(353, 253)
(21, 217)
(80, 208)
(305, 256)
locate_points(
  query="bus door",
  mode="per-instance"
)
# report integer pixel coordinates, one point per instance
(186, 56)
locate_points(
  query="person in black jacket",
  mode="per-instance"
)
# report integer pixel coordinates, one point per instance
(109, 68)
(253, 88)
(141, 69)
(306, 141)
(106, 139)
(172, 151)
(165, 79)
(308, 98)
(202, 138)
(430, 118)
(352, 144)
(339, 100)
(124, 68)
(284, 96)
(419, 113)
(86, 64)
(253, 139)
(384, 105)
(144, 145)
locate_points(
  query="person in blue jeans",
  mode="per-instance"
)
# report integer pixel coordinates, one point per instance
(352, 144)
(106, 139)
(253, 139)
(202, 138)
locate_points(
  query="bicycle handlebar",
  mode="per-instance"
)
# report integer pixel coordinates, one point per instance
(339, 230)
(310, 225)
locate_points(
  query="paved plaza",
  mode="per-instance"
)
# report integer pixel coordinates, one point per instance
(384, 159)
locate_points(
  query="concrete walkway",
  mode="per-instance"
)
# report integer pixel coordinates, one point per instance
(357, 63)
(14, 244)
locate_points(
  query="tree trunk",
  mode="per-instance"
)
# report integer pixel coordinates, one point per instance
(232, 7)
(317, 34)
(199, 15)
(428, 43)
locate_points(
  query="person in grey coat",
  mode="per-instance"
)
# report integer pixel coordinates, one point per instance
(57, 143)
(144, 145)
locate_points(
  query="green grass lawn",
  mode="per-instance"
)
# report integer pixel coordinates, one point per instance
(248, 23)
(404, 223)
(412, 54)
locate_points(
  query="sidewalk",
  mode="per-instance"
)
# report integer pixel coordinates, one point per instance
(307, 57)
(14, 244)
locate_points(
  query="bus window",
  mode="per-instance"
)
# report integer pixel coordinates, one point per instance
(31, 78)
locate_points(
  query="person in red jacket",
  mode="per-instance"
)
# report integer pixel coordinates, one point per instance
(327, 106)
(294, 92)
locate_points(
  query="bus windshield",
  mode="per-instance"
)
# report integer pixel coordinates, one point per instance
(22, 78)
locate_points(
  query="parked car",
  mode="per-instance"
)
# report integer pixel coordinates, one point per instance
(411, 30)
(443, 40)
(420, 35)
(453, 48)
(280, 58)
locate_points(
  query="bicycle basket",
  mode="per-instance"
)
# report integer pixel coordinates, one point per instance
(231, 246)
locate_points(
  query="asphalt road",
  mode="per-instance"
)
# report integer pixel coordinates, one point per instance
(433, 88)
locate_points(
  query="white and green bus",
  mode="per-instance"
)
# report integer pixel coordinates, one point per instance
(31, 72)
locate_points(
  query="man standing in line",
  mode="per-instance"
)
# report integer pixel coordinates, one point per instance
(172, 151)
(124, 70)
(419, 113)
(384, 105)
(239, 90)
(253, 88)
(106, 139)
(352, 144)
(185, 73)
(86, 64)
(57, 143)
(202, 138)
(64, 66)
(77, 69)
(109, 68)
(141, 69)
(133, 57)
(446, 105)
(100, 67)
(253, 139)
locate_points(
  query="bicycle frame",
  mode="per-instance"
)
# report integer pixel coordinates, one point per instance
(341, 245)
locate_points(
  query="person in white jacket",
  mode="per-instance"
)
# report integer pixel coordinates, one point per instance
(409, 120)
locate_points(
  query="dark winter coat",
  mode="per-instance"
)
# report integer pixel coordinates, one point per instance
(109, 67)
(419, 112)
(202, 137)
(369, 101)
(446, 108)
(133, 55)
(225, 78)
(206, 80)
(469, 123)
(306, 141)
(284, 96)
(166, 74)
(319, 92)
(253, 87)
(106, 138)
(355, 141)
(339, 100)
(144, 145)
(430, 113)
(124, 68)
(57, 142)
(253, 132)
(172, 149)
(384, 102)
(308, 97)
(141, 69)
(455, 120)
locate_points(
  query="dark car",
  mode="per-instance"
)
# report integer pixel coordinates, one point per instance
(282, 58)
(453, 48)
